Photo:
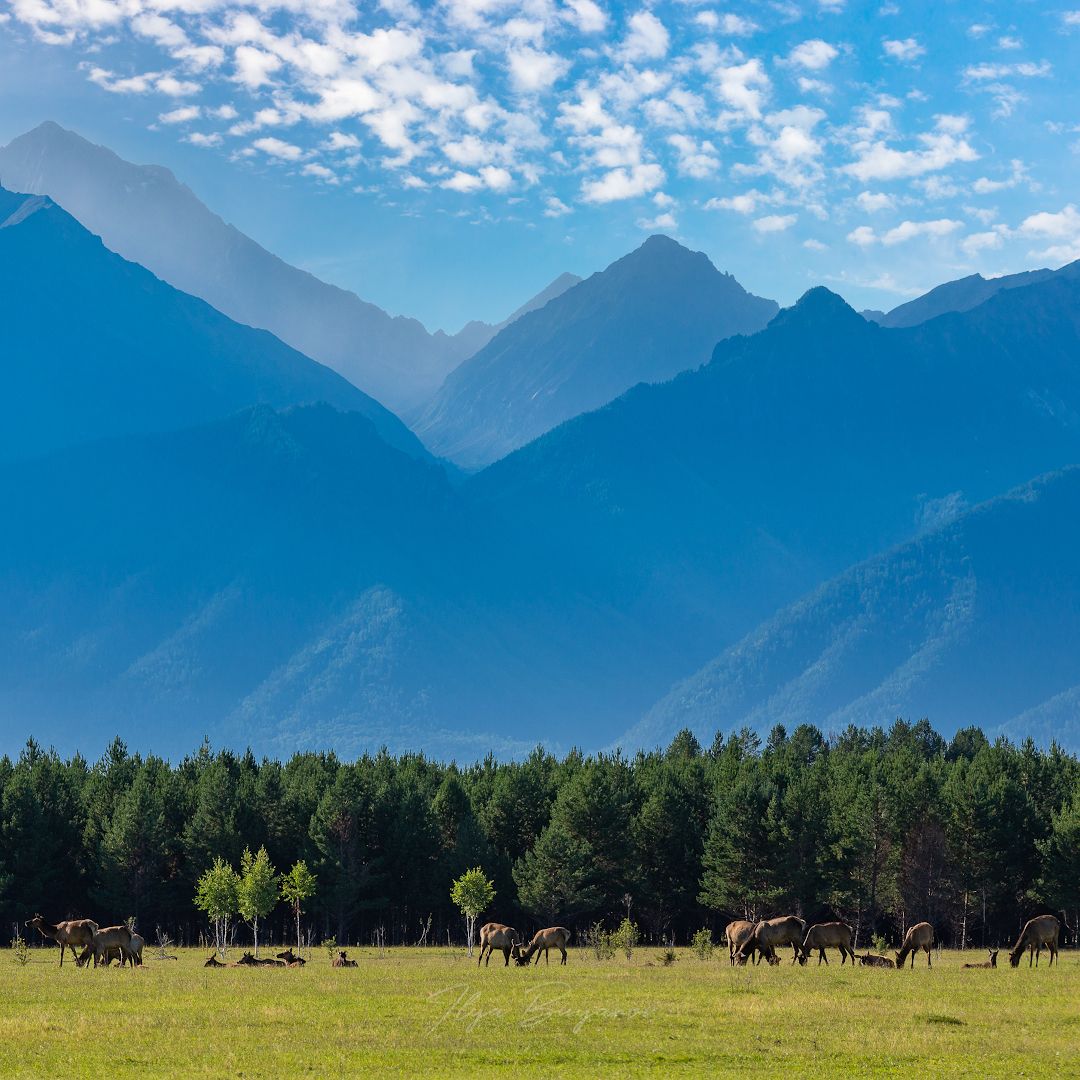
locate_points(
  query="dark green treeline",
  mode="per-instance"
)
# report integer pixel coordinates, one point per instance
(882, 828)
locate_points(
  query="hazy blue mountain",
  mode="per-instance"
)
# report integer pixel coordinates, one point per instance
(145, 214)
(688, 512)
(972, 623)
(288, 579)
(648, 316)
(163, 578)
(97, 346)
(961, 295)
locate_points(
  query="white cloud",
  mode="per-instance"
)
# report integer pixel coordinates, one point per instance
(863, 236)
(814, 55)
(1008, 43)
(624, 183)
(554, 207)
(985, 186)
(909, 230)
(874, 201)
(986, 72)
(698, 160)
(737, 26)
(588, 16)
(709, 19)
(742, 87)
(253, 67)
(946, 146)
(661, 221)
(815, 245)
(648, 38)
(278, 148)
(746, 203)
(1061, 228)
(532, 71)
(183, 115)
(905, 51)
(320, 172)
(981, 241)
(199, 138)
(341, 140)
(772, 223)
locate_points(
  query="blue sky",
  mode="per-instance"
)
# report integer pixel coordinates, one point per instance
(447, 159)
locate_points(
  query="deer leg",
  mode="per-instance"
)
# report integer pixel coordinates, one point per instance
(929, 964)
(506, 956)
(563, 951)
(547, 959)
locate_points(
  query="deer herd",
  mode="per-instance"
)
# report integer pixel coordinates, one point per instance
(747, 940)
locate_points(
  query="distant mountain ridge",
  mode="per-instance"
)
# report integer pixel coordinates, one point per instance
(146, 215)
(96, 346)
(954, 296)
(648, 316)
(929, 628)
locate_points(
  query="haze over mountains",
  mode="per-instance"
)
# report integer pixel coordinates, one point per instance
(648, 316)
(97, 346)
(824, 521)
(145, 214)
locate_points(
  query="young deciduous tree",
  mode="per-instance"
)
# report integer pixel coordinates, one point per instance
(257, 889)
(217, 894)
(297, 886)
(472, 893)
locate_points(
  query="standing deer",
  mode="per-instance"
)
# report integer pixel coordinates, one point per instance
(494, 935)
(736, 933)
(554, 937)
(770, 933)
(829, 935)
(1037, 932)
(920, 936)
(73, 934)
(109, 939)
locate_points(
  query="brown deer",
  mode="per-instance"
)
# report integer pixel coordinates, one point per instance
(873, 960)
(768, 934)
(829, 935)
(736, 933)
(554, 937)
(291, 959)
(342, 961)
(73, 934)
(991, 963)
(214, 962)
(920, 936)
(110, 939)
(1037, 932)
(495, 935)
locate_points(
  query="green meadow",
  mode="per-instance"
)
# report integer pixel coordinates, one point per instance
(432, 1013)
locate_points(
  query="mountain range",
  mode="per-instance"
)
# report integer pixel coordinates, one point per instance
(827, 520)
(96, 346)
(145, 214)
(648, 316)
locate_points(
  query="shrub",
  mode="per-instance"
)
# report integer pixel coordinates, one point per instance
(668, 957)
(626, 938)
(20, 951)
(702, 944)
(600, 941)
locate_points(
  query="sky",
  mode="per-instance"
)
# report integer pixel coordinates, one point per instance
(447, 159)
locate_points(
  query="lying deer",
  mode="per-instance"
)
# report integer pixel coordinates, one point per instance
(214, 962)
(991, 963)
(873, 960)
(291, 959)
(342, 961)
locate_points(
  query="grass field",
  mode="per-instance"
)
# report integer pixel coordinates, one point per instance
(432, 1013)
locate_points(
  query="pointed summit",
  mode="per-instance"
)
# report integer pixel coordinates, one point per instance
(651, 314)
(816, 309)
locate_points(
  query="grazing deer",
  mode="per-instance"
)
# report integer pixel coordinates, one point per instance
(342, 961)
(73, 934)
(736, 933)
(1037, 932)
(991, 963)
(554, 937)
(873, 960)
(494, 935)
(291, 959)
(920, 936)
(829, 935)
(770, 933)
(110, 939)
